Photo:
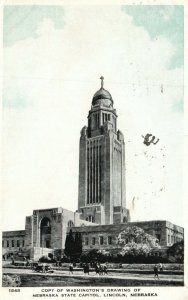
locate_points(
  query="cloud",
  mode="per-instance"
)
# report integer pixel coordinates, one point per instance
(56, 74)
(162, 20)
(21, 22)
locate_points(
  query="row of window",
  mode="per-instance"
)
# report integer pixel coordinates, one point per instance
(100, 240)
(90, 219)
(13, 243)
(94, 174)
(94, 121)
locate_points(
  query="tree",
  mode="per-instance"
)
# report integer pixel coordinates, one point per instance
(138, 235)
(134, 243)
(69, 244)
(95, 256)
(78, 245)
(176, 252)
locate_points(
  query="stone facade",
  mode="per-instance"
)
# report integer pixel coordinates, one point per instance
(106, 236)
(45, 231)
(93, 236)
(13, 241)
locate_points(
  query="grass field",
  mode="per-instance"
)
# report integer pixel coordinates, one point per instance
(40, 280)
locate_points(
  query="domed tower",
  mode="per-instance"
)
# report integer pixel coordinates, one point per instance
(101, 196)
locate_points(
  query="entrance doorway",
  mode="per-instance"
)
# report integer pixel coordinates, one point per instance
(45, 233)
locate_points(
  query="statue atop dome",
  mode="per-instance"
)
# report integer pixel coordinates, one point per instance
(102, 96)
(102, 83)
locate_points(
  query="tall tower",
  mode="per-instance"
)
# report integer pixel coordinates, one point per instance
(101, 196)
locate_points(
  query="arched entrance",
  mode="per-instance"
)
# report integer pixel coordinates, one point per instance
(45, 233)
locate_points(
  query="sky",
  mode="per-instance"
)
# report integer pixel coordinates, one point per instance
(53, 57)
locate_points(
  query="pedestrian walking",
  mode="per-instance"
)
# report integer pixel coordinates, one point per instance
(12, 259)
(43, 268)
(156, 272)
(70, 269)
(97, 269)
(105, 269)
(161, 267)
(86, 268)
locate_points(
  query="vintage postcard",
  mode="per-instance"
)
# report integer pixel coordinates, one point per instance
(93, 159)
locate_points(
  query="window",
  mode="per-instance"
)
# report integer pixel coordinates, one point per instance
(98, 120)
(168, 238)
(158, 236)
(86, 241)
(47, 243)
(7, 243)
(93, 241)
(90, 219)
(101, 240)
(2, 243)
(23, 243)
(109, 240)
(18, 243)
(124, 219)
(12, 243)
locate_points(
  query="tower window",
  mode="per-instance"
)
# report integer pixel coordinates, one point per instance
(89, 122)
(70, 223)
(103, 118)
(98, 120)
(93, 241)
(95, 121)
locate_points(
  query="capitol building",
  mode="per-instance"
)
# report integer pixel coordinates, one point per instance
(102, 212)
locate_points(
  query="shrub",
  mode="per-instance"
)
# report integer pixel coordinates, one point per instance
(45, 259)
(11, 280)
(176, 252)
(96, 256)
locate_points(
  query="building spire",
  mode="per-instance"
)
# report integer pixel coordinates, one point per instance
(102, 83)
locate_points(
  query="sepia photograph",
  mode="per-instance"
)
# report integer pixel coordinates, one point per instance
(92, 149)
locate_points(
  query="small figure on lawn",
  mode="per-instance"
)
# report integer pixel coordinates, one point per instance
(161, 267)
(70, 269)
(156, 272)
(86, 268)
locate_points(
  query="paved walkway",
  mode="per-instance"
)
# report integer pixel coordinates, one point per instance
(80, 274)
